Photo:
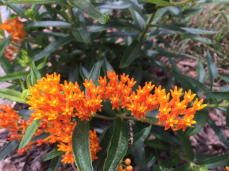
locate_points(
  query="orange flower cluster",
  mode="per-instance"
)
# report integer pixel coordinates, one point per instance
(54, 101)
(14, 27)
(126, 166)
(121, 95)
(59, 132)
(56, 104)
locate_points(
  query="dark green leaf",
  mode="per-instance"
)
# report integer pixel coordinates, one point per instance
(4, 44)
(81, 146)
(224, 78)
(53, 46)
(95, 72)
(33, 1)
(107, 66)
(55, 164)
(157, 144)
(80, 32)
(227, 117)
(201, 76)
(202, 117)
(61, 24)
(218, 94)
(211, 68)
(52, 154)
(104, 139)
(6, 65)
(11, 95)
(159, 2)
(185, 167)
(217, 131)
(130, 54)
(89, 9)
(25, 114)
(8, 148)
(14, 76)
(139, 138)
(29, 133)
(139, 156)
(208, 1)
(84, 73)
(118, 145)
(186, 144)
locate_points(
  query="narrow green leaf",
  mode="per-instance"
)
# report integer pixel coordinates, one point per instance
(227, 117)
(139, 156)
(55, 164)
(199, 31)
(107, 66)
(186, 144)
(61, 24)
(218, 94)
(185, 167)
(53, 46)
(95, 72)
(29, 133)
(201, 118)
(157, 144)
(52, 154)
(159, 2)
(33, 1)
(14, 76)
(6, 65)
(17, 8)
(36, 72)
(4, 44)
(139, 138)
(80, 32)
(118, 145)
(218, 132)
(130, 54)
(104, 139)
(81, 146)
(11, 95)
(224, 78)
(8, 148)
(83, 72)
(201, 76)
(138, 19)
(89, 9)
(212, 69)
(209, 1)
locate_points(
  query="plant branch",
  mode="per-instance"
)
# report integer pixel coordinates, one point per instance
(180, 3)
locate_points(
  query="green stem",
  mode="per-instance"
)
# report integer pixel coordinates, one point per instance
(103, 117)
(217, 105)
(72, 19)
(181, 2)
(153, 15)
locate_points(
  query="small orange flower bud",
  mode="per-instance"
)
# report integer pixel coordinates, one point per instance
(127, 161)
(129, 168)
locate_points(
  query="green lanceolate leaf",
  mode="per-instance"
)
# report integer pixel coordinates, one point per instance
(202, 117)
(81, 146)
(61, 24)
(139, 138)
(55, 164)
(33, 1)
(89, 9)
(186, 144)
(201, 76)
(14, 76)
(227, 117)
(95, 72)
(106, 66)
(118, 145)
(217, 94)
(29, 133)
(11, 95)
(80, 32)
(211, 68)
(4, 44)
(209, 1)
(52, 154)
(159, 2)
(106, 137)
(53, 47)
(8, 148)
(218, 132)
(130, 54)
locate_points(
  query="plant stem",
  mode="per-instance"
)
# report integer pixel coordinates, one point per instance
(181, 2)
(103, 117)
(153, 15)
(219, 105)
(71, 15)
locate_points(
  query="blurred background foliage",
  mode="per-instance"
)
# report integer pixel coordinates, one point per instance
(184, 45)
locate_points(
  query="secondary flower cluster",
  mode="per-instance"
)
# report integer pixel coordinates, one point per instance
(14, 27)
(60, 131)
(125, 166)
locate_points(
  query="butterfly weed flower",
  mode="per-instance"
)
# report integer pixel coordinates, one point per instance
(14, 27)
